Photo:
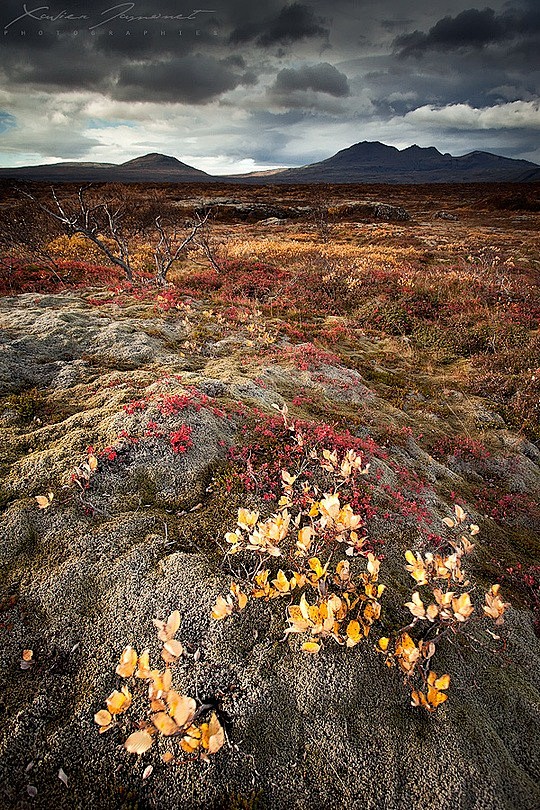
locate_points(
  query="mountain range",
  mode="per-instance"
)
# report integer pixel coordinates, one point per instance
(365, 162)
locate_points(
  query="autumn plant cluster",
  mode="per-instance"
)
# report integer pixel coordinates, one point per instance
(294, 554)
(164, 712)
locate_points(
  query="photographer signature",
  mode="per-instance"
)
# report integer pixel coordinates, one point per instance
(118, 12)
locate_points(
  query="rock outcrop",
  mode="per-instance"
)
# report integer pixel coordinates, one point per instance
(85, 577)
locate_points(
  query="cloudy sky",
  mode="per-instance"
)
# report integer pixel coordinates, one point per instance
(239, 85)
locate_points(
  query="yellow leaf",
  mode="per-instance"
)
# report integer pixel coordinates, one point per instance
(462, 607)
(247, 519)
(92, 463)
(138, 742)
(311, 647)
(189, 744)
(167, 630)
(143, 665)
(443, 682)
(233, 538)
(119, 702)
(174, 647)
(409, 556)
(103, 718)
(354, 633)
(281, 583)
(242, 600)
(181, 707)
(128, 662)
(329, 507)
(167, 757)
(460, 514)
(303, 606)
(373, 565)
(173, 623)
(448, 522)
(315, 565)
(304, 538)
(435, 698)
(216, 735)
(262, 577)
(432, 612)
(192, 740)
(164, 724)
(416, 606)
(205, 735)
(222, 608)
(44, 501)
(161, 682)
(383, 643)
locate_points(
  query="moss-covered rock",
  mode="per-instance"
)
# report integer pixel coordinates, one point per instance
(84, 578)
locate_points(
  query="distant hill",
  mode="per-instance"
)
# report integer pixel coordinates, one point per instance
(365, 162)
(374, 162)
(151, 168)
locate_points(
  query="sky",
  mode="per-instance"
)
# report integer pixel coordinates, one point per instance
(241, 85)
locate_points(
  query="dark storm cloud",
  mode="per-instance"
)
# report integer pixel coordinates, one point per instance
(322, 78)
(471, 28)
(250, 57)
(192, 79)
(193, 60)
(292, 24)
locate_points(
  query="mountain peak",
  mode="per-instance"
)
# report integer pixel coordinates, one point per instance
(375, 162)
(154, 160)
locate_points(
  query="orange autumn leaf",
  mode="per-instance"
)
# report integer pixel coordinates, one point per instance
(435, 698)
(143, 665)
(44, 501)
(119, 702)
(354, 633)
(443, 682)
(128, 662)
(138, 742)
(167, 630)
(181, 707)
(311, 647)
(174, 647)
(164, 724)
(222, 608)
(213, 736)
(103, 718)
(192, 740)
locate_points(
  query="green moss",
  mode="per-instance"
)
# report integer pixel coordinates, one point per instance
(27, 404)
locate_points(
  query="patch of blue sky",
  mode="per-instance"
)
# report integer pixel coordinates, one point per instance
(102, 123)
(7, 121)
